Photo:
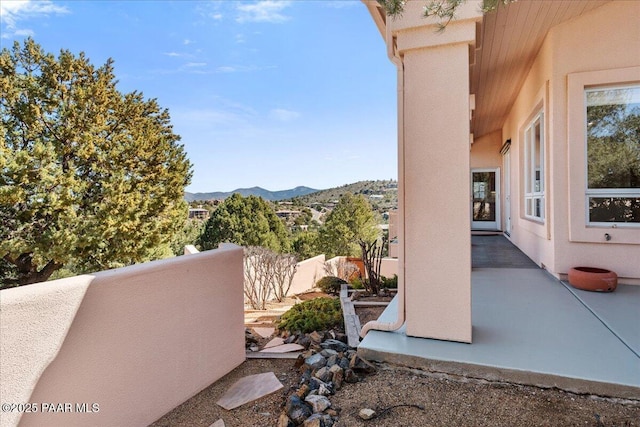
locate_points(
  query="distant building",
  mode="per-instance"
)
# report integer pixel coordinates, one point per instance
(288, 214)
(198, 213)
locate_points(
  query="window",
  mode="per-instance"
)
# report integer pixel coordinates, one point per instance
(534, 169)
(613, 155)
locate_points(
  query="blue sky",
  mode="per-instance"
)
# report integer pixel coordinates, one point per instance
(268, 93)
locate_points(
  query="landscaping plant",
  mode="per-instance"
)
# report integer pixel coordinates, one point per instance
(313, 315)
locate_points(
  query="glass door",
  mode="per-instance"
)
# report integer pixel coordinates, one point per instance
(485, 199)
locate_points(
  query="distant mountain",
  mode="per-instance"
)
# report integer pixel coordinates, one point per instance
(254, 191)
(382, 194)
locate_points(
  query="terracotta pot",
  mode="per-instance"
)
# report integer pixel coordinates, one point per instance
(593, 279)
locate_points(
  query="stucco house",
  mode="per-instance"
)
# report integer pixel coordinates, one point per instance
(522, 120)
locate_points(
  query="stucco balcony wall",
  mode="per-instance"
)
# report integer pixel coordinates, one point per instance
(121, 347)
(307, 274)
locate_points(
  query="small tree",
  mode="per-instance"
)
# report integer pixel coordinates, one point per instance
(372, 259)
(256, 277)
(267, 274)
(284, 268)
(350, 221)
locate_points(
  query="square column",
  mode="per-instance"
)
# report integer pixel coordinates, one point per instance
(437, 231)
(434, 173)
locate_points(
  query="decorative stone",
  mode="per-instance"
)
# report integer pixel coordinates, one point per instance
(318, 403)
(248, 389)
(297, 410)
(306, 376)
(285, 421)
(274, 342)
(219, 423)
(316, 361)
(291, 339)
(358, 364)
(333, 360)
(324, 374)
(316, 337)
(334, 345)
(264, 332)
(327, 352)
(325, 390)
(344, 363)
(314, 420)
(366, 413)
(304, 341)
(337, 376)
(318, 420)
(284, 348)
(350, 376)
(303, 391)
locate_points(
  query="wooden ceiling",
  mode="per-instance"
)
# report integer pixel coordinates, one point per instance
(509, 40)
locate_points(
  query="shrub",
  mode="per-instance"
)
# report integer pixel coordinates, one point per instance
(390, 282)
(313, 315)
(330, 284)
(356, 283)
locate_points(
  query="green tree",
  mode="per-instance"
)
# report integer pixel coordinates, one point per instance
(187, 235)
(351, 221)
(89, 176)
(305, 244)
(245, 221)
(445, 10)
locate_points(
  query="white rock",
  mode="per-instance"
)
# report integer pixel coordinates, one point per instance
(367, 414)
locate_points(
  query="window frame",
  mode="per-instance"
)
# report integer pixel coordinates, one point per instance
(579, 229)
(530, 195)
(603, 192)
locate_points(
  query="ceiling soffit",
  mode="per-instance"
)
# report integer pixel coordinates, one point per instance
(509, 40)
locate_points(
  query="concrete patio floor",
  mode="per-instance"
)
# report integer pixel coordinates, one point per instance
(530, 328)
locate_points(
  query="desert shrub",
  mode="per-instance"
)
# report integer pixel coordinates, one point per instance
(330, 284)
(313, 315)
(356, 283)
(390, 282)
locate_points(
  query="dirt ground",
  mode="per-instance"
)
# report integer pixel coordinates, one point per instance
(403, 397)
(435, 400)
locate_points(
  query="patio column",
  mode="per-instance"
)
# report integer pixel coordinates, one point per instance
(434, 135)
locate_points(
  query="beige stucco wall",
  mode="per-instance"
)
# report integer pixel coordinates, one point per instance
(600, 47)
(485, 151)
(307, 274)
(136, 341)
(388, 267)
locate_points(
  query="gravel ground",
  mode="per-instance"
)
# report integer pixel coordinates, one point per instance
(428, 399)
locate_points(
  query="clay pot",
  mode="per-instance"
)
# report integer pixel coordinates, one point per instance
(593, 279)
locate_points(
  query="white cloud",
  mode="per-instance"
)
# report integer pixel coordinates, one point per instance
(187, 42)
(174, 54)
(242, 68)
(263, 11)
(14, 11)
(283, 115)
(24, 33)
(195, 64)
